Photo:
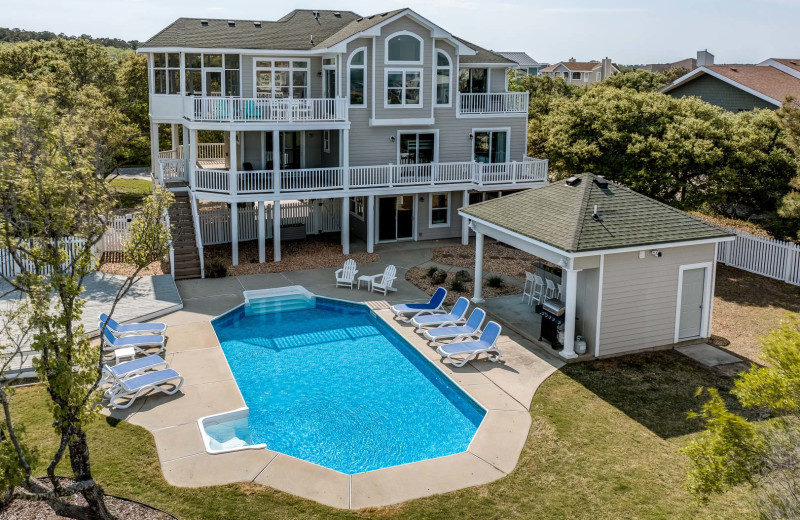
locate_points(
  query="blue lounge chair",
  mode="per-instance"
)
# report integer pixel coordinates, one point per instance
(434, 305)
(116, 373)
(472, 349)
(132, 388)
(457, 316)
(456, 333)
(119, 329)
(140, 343)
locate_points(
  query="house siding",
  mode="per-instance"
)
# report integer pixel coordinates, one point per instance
(640, 297)
(719, 93)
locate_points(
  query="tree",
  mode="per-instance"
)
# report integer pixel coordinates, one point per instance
(733, 451)
(637, 79)
(674, 73)
(789, 117)
(55, 206)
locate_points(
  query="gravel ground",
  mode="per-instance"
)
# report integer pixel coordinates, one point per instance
(497, 258)
(124, 510)
(315, 252)
(112, 263)
(419, 277)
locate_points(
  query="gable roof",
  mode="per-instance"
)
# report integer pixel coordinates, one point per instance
(482, 55)
(292, 32)
(763, 81)
(356, 26)
(561, 216)
(575, 66)
(520, 58)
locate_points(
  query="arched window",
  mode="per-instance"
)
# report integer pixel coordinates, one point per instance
(443, 74)
(357, 77)
(404, 47)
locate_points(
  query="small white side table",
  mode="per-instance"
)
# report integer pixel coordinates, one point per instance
(124, 354)
(366, 278)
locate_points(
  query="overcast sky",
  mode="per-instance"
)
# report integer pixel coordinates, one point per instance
(630, 32)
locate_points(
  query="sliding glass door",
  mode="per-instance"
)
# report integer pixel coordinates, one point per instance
(417, 148)
(490, 146)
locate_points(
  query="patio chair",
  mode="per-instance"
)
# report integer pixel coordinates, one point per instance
(472, 349)
(116, 373)
(129, 329)
(527, 289)
(132, 388)
(434, 305)
(538, 289)
(470, 329)
(139, 343)
(456, 316)
(383, 282)
(551, 290)
(560, 291)
(346, 276)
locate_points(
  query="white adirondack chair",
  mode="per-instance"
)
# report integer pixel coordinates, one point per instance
(346, 276)
(383, 282)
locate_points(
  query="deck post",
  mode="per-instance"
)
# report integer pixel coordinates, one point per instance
(276, 231)
(370, 223)
(154, 149)
(234, 233)
(345, 225)
(233, 180)
(262, 231)
(276, 160)
(345, 159)
(465, 220)
(477, 297)
(190, 153)
(568, 352)
(174, 136)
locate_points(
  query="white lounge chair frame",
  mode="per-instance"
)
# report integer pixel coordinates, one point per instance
(471, 329)
(433, 306)
(456, 316)
(346, 276)
(473, 349)
(109, 376)
(119, 390)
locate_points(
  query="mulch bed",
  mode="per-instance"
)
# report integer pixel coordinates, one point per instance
(123, 509)
(314, 252)
(497, 258)
(419, 277)
(114, 263)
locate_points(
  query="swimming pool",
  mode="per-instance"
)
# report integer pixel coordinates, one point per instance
(334, 385)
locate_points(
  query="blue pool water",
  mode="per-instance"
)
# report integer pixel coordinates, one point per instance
(336, 386)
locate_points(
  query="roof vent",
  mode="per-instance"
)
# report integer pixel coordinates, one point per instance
(384, 14)
(257, 25)
(595, 215)
(572, 181)
(231, 23)
(337, 14)
(601, 181)
(360, 19)
(204, 23)
(734, 69)
(312, 40)
(316, 16)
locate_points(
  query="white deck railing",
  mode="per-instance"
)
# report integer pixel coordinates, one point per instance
(493, 103)
(171, 170)
(265, 109)
(528, 172)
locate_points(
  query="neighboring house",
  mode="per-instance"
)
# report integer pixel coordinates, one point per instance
(581, 72)
(741, 87)
(524, 63)
(388, 120)
(636, 274)
(704, 58)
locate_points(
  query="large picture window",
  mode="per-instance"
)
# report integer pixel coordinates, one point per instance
(166, 73)
(439, 210)
(357, 77)
(490, 146)
(281, 78)
(212, 74)
(404, 47)
(403, 87)
(443, 73)
(417, 148)
(473, 81)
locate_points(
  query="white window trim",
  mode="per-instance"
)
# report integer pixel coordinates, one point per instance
(705, 328)
(431, 225)
(364, 68)
(404, 70)
(435, 133)
(401, 33)
(436, 79)
(272, 70)
(326, 141)
(506, 129)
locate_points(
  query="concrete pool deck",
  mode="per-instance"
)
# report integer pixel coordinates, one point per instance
(504, 389)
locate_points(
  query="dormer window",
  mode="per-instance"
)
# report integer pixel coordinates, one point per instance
(404, 48)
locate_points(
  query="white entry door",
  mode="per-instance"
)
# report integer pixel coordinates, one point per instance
(692, 303)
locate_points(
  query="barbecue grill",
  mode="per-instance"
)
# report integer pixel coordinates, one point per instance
(552, 313)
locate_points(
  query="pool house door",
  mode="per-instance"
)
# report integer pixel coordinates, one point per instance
(395, 218)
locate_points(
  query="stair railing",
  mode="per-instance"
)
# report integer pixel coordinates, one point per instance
(171, 246)
(198, 237)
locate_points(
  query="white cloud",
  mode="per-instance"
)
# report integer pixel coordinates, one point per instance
(593, 10)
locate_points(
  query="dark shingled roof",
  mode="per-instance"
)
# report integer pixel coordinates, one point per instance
(561, 216)
(291, 32)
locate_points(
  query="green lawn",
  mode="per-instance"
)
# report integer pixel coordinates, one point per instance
(603, 444)
(130, 193)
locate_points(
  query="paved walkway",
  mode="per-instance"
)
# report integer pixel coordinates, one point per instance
(504, 389)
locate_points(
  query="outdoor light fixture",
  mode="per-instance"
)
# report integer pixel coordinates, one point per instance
(471, 137)
(392, 139)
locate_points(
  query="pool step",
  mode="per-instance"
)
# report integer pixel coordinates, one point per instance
(282, 299)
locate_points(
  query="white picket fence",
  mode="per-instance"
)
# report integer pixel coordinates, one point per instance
(317, 216)
(10, 268)
(113, 240)
(765, 256)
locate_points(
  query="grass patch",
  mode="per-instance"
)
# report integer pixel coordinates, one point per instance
(130, 193)
(603, 444)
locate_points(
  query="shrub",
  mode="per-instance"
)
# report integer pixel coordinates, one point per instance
(457, 286)
(495, 281)
(215, 268)
(431, 270)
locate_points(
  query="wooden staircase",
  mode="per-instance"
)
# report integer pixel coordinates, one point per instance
(187, 258)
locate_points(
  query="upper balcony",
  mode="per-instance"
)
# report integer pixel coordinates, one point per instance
(492, 104)
(268, 110)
